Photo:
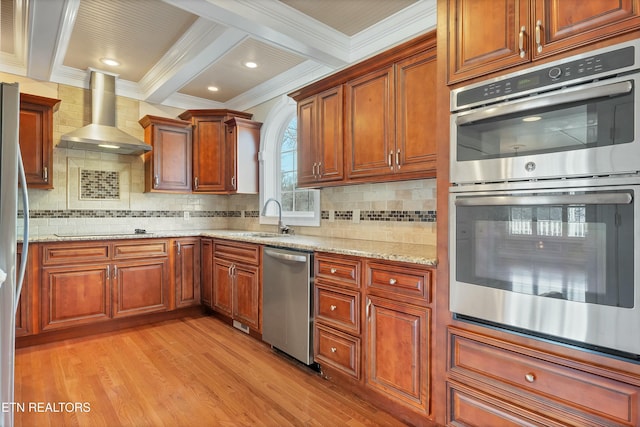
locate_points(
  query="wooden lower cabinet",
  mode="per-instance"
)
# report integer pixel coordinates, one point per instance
(23, 311)
(140, 287)
(490, 379)
(187, 271)
(237, 283)
(88, 282)
(397, 353)
(206, 272)
(74, 295)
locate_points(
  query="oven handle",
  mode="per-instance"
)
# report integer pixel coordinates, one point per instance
(567, 199)
(563, 97)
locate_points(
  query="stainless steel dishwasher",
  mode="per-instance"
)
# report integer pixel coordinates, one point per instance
(287, 302)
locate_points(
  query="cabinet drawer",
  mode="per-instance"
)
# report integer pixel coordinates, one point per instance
(339, 308)
(338, 350)
(74, 253)
(572, 389)
(400, 280)
(339, 270)
(471, 408)
(236, 251)
(140, 249)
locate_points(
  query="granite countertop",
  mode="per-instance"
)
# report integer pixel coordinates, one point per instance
(398, 251)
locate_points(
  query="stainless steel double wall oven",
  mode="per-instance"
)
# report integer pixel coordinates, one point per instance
(544, 226)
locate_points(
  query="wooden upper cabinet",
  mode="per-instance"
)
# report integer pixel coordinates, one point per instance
(168, 164)
(36, 139)
(243, 143)
(369, 124)
(320, 138)
(488, 36)
(210, 148)
(416, 114)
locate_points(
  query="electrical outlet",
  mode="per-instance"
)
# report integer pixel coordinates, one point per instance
(187, 216)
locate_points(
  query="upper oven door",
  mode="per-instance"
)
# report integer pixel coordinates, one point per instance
(585, 130)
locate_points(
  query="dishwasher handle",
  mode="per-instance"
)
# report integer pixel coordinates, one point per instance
(285, 256)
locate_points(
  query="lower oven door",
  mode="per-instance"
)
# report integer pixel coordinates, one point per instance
(559, 263)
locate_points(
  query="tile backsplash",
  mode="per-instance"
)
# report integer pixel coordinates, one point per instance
(105, 192)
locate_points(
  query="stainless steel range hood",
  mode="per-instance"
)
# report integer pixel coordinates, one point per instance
(102, 134)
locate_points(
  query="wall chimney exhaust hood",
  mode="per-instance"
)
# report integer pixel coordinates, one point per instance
(102, 134)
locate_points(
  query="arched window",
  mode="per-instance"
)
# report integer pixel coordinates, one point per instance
(279, 170)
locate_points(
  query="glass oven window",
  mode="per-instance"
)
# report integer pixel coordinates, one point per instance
(578, 252)
(587, 124)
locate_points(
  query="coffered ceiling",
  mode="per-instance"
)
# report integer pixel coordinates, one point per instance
(172, 51)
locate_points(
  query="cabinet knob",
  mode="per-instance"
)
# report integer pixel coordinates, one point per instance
(333, 349)
(530, 377)
(45, 174)
(333, 308)
(392, 281)
(333, 271)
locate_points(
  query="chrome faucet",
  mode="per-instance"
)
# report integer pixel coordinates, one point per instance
(282, 229)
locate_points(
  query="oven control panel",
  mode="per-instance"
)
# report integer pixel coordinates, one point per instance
(560, 73)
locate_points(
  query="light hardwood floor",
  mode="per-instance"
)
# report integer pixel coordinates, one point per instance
(195, 371)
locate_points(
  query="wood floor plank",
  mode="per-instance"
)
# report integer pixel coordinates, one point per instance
(195, 371)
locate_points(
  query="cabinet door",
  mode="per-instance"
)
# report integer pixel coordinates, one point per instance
(246, 295)
(36, 139)
(416, 114)
(187, 272)
(484, 36)
(74, 295)
(307, 143)
(206, 271)
(397, 358)
(222, 287)
(570, 23)
(140, 287)
(209, 154)
(370, 125)
(330, 141)
(172, 153)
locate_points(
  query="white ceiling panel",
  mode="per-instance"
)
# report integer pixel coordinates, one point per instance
(171, 50)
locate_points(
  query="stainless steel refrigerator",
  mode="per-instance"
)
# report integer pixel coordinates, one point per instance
(11, 275)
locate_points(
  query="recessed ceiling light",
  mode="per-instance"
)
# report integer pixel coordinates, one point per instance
(212, 89)
(250, 64)
(109, 61)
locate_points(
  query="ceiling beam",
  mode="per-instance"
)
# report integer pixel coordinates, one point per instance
(203, 44)
(273, 22)
(46, 25)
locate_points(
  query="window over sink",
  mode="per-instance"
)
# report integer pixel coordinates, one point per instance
(278, 158)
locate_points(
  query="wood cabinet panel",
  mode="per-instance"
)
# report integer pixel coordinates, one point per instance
(243, 252)
(206, 256)
(168, 166)
(399, 281)
(515, 32)
(140, 287)
(397, 355)
(23, 310)
(187, 272)
(246, 295)
(339, 308)
(338, 350)
(209, 147)
(415, 85)
(70, 253)
(612, 402)
(222, 287)
(243, 143)
(307, 141)
(36, 139)
(340, 270)
(142, 248)
(369, 124)
(74, 295)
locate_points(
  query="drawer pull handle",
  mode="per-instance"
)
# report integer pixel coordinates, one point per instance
(333, 349)
(333, 307)
(333, 271)
(392, 281)
(530, 377)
